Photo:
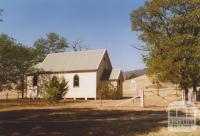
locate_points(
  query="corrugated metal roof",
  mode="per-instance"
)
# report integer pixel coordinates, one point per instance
(72, 61)
(112, 74)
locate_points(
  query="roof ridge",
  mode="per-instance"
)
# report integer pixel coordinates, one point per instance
(73, 61)
(93, 50)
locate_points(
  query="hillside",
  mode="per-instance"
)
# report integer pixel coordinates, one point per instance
(137, 72)
(153, 97)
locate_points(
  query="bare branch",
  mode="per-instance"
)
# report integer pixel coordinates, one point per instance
(78, 46)
(140, 49)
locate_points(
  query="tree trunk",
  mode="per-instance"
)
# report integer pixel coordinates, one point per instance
(186, 94)
(22, 86)
(177, 89)
(194, 93)
(194, 87)
(158, 91)
(1, 88)
(38, 85)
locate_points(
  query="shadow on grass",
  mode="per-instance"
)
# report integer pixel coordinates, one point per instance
(10, 103)
(77, 121)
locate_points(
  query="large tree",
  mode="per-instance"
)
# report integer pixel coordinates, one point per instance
(53, 43)
(170, 30)
(23, 60)
(7, 51)
(15, 61)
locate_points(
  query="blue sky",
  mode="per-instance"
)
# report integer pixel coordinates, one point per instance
(98, 23)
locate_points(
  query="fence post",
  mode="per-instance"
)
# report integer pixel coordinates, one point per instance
(142, 98)
(183, 96)
(7, 96)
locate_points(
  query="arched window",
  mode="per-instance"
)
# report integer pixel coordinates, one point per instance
(76, 81)
(119, 82)
(35, 80)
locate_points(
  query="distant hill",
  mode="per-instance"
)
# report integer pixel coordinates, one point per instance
(134, 73)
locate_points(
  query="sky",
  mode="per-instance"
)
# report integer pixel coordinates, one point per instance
(98, 23)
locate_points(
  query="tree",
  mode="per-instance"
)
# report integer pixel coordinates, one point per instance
(56, 89)
(157, 83)
(78, 46)
(23, 60)
(7, 46)
(171, 31)
(15, 61)
(52, 44)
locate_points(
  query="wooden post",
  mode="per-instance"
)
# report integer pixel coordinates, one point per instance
(101, 97)
(7, 96)
(183, 96)
(142, 98)
(194, 98)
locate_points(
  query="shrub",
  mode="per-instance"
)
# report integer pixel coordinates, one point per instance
(56, 89)
(108, 91)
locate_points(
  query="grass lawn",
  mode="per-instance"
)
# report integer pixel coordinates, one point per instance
(81, 118)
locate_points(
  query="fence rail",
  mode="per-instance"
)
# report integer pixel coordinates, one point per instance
(10, 95)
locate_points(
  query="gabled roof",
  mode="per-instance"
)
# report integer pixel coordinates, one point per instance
(112, 74)
(72, 61)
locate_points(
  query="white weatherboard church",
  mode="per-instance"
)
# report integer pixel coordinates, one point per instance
(85, 71)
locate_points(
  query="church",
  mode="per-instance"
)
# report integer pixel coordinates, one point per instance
(85, 71)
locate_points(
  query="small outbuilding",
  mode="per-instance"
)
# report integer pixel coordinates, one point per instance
(112, 81)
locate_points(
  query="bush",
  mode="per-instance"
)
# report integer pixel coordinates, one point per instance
(108, 91)
(56, 89)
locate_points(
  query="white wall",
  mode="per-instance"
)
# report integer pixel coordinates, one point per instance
(31, 90)
(87, 85)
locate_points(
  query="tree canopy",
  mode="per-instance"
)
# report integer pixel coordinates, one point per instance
(53, 43)
(7, 46)
(15, 61)
(170, 30)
